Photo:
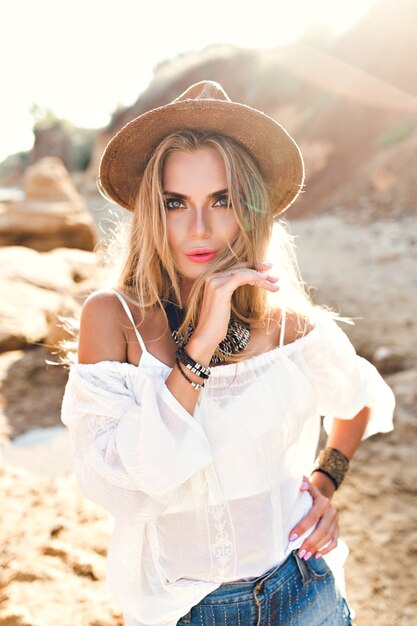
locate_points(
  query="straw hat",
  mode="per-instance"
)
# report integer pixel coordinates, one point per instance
(204, 105)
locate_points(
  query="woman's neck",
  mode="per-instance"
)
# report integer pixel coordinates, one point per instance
(185, 289)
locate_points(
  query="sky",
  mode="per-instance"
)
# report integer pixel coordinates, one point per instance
(84, 58)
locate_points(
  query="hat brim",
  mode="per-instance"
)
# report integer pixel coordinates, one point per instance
(127, 153)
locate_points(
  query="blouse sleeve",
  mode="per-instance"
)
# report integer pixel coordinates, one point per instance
(133, 443)
(345, 382)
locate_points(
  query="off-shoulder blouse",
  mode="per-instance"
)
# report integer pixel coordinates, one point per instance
(198, 500)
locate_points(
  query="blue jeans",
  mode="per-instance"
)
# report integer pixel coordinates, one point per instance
(296, 593)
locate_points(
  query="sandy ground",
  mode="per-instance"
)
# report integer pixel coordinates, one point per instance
(53, 541)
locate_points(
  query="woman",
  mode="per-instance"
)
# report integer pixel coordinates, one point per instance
(194, 408)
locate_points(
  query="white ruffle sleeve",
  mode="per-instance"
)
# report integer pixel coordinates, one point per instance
(133, 443)
(345, 382)
(137, 451)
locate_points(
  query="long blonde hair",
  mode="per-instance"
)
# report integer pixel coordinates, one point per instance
(138, 261)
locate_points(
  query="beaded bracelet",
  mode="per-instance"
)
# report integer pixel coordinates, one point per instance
(191, 364)
(195, 385)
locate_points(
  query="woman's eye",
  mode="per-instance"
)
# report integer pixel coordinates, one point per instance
(173, 204)
(176, 203)
(225, 199)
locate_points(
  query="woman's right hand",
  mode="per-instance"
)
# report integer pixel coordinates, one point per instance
(215, 312)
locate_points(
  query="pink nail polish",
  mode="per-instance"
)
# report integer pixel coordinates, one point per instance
(293, 537)
(318, 555)
(302, 553)
(307, 556)
(304, 485)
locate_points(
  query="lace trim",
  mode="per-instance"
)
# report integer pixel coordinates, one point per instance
(221, 533)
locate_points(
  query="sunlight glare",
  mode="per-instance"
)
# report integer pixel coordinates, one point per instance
(96, 57)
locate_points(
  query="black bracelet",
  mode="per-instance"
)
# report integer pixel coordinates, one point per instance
(185, 358)
(323, 471)
(333, 463)
(191, 364)
(195, 385)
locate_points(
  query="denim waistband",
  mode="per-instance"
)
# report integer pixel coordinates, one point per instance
(237, 591)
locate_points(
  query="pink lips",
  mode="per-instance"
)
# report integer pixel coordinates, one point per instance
(202, 255)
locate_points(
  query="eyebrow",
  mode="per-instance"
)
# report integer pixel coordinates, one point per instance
(184, 197)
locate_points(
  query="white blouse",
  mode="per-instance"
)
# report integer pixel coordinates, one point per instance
(198, 500)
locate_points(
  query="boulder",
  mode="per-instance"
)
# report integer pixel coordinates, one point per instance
(52, 141)
(38, 289)
(52, 213)
(31, 390)
(48, 179)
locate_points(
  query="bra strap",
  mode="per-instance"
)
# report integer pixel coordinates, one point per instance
(130, 316)
(282, 331)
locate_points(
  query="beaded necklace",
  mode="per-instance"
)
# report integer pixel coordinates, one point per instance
(237, 337)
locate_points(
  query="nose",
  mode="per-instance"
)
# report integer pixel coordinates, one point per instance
(199, 227)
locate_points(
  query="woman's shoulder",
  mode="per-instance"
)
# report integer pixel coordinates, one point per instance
(102, 305)
(101, 335)
(296, 325)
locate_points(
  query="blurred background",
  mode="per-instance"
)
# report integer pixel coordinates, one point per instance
(341, 77)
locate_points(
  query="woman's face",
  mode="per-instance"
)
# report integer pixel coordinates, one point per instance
(194, 186)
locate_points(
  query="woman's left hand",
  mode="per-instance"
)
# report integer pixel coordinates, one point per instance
(324, 537)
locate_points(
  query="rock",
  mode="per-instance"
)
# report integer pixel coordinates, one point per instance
(51, 215)
(48, 179)
(52, 141)
(21, 324)
(383, 180)
(317, 155)
(30, 393)
(54, 283)
(28, 265)
(81, 264)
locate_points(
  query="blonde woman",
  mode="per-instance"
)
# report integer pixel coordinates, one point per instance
(194, 408)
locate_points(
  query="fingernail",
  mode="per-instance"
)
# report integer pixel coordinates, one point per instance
(302, 553)
(307, 556)
(304, 485)
(318, 555)
(293, 537)
(267, 263)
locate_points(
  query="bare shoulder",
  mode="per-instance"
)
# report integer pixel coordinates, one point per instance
(101, 336)
(296, 325)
